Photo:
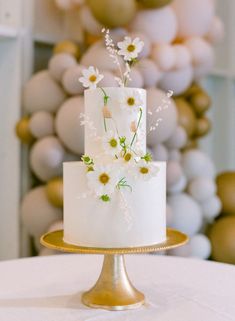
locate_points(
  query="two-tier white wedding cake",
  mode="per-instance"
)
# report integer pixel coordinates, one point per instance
(115, 196)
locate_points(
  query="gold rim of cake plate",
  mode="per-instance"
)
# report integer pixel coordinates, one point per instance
(54, 240)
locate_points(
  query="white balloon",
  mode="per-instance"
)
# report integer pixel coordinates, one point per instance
(202, 70)
(177, 80)
(42, 92)
(200, 50)
(174, 173)
(174, 154)
(194, 17)
(178, 187)
(46, 158)
(68, 126)
(182, 251)
(59, 63)
(41, 124)
(150, 72)
(178, 139)
(137, 80)
(211, 208)
(70, 80)
(108, 80)
(200, 247)
(202, 188)
(161, 111)
(147, 43)
(118, 34)
(216, 31)
(187, 215)
(89, 23)
(182, 56)
(195, 163)
(56, 226)
(164, 56)
(37, 212)
(97, 54)
(169, 215)
(159, 25)
(160, 153)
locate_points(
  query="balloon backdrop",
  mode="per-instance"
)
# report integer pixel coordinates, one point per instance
(179, 36)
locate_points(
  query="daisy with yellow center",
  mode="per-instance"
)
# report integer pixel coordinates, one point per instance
(144, 170)
(111, 143)
(129, 48)
(91, 77)
(131, 101)
(103, 180)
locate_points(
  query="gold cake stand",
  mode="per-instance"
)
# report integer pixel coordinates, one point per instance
(113, 289)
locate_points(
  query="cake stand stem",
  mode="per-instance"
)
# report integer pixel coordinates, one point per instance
(113, 290)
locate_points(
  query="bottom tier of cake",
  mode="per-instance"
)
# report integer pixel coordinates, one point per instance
(130, 219)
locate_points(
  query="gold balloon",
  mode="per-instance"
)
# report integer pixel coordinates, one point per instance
(226, 192)
(193, 89)
(154, 3)
(203, 127)
(187, 117)
(54, 191)
(113, 13)
(23, 131)
(91, 39)
(67, 46)
(222, 236)
(191, 144)
(200, 102)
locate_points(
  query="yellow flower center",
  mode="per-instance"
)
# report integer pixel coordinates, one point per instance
(131, 48)
(104, 178)
(127, 157)
(113, 142)
(144, 170)
(131, 101)
(93, 78)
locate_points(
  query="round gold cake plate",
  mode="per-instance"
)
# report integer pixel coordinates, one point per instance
(113, 289)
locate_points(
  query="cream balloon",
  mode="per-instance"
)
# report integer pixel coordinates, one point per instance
(195, 164)
(187, 215)
(59, 63)
(46, 158)
(178, 187)
(177, 80)
(108, 80)
(56, 226)
(194, 17)
(70, 80)
(202, 188)
(160, 153)
(200, 50)
(161, 111)
(211, 208)
(41, 124)
(118, 34)
(137, 80)
(159, 25)
(202, 70)
(68, 125)
(178, 139)
(164, 56)
(174, 173)
(200, 247)
(182, 251)
(216, 31)
(37, 213)
(150, 72)
(169, 214)
(42, 93)
(174, 154)
(89, 23)
(182, 56)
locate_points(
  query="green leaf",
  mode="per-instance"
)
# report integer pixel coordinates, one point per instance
(105, 198)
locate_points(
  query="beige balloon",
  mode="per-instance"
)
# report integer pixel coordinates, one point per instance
(70, 80)
(41, 124)
(59, 63)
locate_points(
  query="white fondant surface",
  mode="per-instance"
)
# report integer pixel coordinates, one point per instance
(88, 221)
(93, 111)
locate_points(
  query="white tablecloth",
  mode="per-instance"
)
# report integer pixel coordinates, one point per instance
(49, 289)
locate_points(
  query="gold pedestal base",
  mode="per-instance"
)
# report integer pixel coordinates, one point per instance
(113, 290)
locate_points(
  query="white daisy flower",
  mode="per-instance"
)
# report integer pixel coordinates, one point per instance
(111, 143)
(91, 77)
(129, 48)
(131, 101)
(103, 179)
(144, 170)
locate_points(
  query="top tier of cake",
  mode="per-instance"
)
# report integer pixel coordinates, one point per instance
(123, 105)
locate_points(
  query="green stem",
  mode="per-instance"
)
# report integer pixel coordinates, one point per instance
(138, 125)
(105, 99)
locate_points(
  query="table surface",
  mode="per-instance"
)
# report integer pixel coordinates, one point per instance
(49, 289)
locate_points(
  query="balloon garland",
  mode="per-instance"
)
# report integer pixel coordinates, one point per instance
(179, 36)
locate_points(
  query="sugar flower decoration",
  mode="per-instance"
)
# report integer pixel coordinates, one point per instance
(129, 48)
(111, 143)
(131, 101)
(144, 170)
(91, 77)
(103, 180)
